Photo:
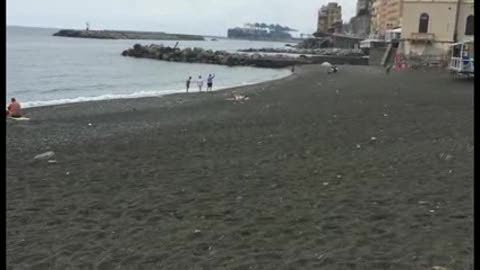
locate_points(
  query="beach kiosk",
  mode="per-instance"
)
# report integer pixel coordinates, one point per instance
(462, 59)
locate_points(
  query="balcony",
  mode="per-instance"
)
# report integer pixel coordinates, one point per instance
(422, 37)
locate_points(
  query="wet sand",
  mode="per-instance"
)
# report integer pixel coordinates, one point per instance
(356, 170)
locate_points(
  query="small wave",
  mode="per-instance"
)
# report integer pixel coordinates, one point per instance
(139, 94)
(55, 90)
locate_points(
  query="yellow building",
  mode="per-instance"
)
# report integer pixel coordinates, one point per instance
(374, 17)
(430, 26)
(329, 17)
(386, 14)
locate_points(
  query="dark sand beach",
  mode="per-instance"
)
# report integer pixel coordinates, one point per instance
(356, 170)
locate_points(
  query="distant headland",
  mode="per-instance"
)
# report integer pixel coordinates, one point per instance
(117, 34)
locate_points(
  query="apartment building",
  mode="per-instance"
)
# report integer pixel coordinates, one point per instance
(386, 14)
(362, 5)
(329, 18)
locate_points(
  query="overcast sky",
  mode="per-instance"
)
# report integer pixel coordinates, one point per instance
(206, 17)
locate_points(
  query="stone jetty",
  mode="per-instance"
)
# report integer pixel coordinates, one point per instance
(111, 34)
(199, 55)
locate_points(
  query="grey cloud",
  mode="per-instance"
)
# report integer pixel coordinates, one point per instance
(185, 16)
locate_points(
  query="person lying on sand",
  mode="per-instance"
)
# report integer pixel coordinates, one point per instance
(14, 109)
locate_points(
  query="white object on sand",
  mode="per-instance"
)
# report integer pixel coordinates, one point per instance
(439, 268)
(19, 118)
(46, 155)
(326, 64)
(238, 98)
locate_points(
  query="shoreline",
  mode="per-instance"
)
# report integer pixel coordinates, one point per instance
(314, 171)
(159, 95)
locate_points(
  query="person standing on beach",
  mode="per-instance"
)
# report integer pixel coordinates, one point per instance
(387, 70)
(200, 83)
(210, 81)
(189, 80)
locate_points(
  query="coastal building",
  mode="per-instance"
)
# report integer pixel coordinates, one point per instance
(386, 14)
(374, 17)
(362, 5)
(430, 27)
(330, 18)
(392, 14)
(360, 24)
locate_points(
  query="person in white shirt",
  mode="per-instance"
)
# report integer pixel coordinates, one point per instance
(200, 83)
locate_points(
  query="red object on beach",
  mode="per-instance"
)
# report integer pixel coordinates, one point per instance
(399, 62)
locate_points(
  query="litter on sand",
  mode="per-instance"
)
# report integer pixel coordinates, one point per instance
(46, 155)
(19, 118)
(326, 64)
(238, 98)
(439, 268)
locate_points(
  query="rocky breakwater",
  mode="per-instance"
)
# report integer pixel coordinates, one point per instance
(317, 51)
(110, 34)
(317, 56)
(199, 55)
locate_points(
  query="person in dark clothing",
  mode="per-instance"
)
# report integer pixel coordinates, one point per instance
(210, 81)
(189, 80)
(387, 70)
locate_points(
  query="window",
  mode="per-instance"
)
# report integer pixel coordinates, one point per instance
(423, 25)
(469, 26)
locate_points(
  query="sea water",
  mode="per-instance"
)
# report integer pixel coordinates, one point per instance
(46, 70)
